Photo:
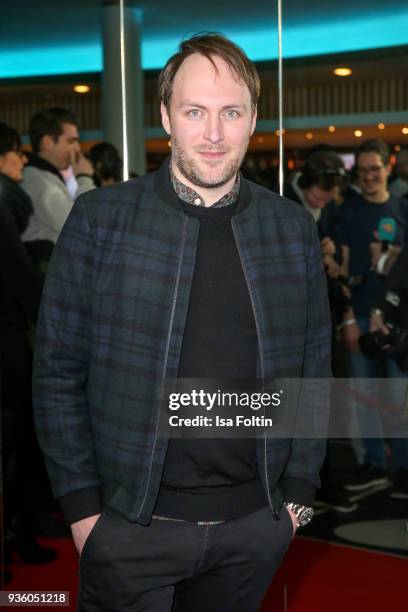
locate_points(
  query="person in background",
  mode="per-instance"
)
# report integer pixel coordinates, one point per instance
(55, 142)
(107, 164)
(391, 312)
(20, 293)
(359, 220)
(317, 187)
(399, 185)
(353, 186)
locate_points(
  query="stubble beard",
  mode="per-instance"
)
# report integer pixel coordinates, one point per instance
(191, 171)
(375, 189)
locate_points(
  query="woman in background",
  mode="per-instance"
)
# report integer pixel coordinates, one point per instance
(20, 292)
(107, 163)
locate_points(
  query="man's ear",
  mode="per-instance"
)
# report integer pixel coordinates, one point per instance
(165, 118)
(46, 142)
(253, 123)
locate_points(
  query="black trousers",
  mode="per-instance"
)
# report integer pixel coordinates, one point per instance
(181, 566)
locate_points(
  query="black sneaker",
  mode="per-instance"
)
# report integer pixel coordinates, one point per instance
(334, 497)
(399, 488)
(31, 552)
(367, 476)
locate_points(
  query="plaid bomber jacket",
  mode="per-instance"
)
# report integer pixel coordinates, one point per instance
(110, 333)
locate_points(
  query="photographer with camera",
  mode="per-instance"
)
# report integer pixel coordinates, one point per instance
(372, 214)
(389, 334)
(389, 319)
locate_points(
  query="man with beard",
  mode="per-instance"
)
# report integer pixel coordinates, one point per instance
(189, 272)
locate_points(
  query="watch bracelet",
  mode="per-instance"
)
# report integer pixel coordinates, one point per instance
(299, 510)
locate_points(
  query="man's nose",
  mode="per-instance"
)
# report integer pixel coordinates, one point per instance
(214, 131)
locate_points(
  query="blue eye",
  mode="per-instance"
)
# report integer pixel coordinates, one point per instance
(194, 114)
(231, 114)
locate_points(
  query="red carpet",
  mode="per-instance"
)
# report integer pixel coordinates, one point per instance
(323, 577)
(315, 577)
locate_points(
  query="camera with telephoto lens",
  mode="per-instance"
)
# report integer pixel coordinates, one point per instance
(394, 344)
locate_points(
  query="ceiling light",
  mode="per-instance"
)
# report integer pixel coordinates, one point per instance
(397, 148)
(404, 130)
(342, 72)
(381, 126)
(309, 135)
(331, 128)
(81, 88)
(358, 133)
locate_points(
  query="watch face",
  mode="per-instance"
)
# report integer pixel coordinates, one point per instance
(305, 516)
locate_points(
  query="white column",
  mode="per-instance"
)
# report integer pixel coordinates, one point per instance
(122, 85)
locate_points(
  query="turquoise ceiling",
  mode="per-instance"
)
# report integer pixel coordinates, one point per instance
(44, 37)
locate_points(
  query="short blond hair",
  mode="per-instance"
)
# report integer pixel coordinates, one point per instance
(211, 45)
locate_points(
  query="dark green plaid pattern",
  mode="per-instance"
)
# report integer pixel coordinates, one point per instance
(111, 328)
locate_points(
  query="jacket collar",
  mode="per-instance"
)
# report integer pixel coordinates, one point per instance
(315, 212)
(35, 161)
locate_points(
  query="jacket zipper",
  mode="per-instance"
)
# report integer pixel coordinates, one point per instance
(166, 354)
(261, 352)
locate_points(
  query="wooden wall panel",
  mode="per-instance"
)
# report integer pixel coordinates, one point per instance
(340, 97)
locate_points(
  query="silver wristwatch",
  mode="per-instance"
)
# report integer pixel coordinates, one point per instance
(303, 514)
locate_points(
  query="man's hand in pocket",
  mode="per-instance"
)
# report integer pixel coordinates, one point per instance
(81, 530)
